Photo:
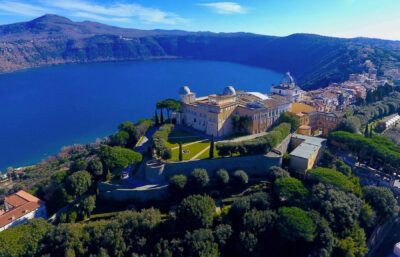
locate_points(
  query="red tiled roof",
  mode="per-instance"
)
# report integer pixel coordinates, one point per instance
(17, 213)
(19, 198)
(27, 196)
(15, 200)
(22, 203)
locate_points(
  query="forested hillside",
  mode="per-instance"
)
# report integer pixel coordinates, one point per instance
(314, 60)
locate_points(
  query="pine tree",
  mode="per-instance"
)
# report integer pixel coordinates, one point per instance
(156, 120)
(161, 117)
(212, 148)
(180, 152)
(366, 132)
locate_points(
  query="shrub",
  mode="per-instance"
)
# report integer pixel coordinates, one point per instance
(276, 172)
(159, 140)
(259, 145)
(177, 183)
(240, 177)
(222, 177)
(199, 178)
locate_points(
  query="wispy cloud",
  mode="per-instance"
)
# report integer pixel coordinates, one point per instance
(111, 11)
(225, 7)
(116, 10)
(23, 9)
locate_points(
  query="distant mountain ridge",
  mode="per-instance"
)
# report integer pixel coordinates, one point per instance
(314, 60)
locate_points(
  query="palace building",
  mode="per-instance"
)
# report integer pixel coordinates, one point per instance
(214, 114)
(289, 89)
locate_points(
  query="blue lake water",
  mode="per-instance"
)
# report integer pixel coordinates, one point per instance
(42, 110)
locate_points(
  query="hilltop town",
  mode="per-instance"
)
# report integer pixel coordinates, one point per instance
(268, 161)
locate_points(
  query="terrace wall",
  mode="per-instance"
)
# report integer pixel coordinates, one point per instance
(254, 165)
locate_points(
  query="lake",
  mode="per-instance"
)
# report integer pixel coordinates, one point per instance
(42, 110)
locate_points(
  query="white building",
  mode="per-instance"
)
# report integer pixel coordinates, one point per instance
(288, 88)
(306, 153)
(19, 208)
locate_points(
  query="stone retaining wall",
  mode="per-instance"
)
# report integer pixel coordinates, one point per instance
(157, 172)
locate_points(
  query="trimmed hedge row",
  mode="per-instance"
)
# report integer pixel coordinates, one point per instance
(379, 149)
(159, 140)
(259, 145)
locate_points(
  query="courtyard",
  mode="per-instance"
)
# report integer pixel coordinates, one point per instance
(194, 145)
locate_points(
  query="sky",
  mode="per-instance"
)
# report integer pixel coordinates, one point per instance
(340, 18)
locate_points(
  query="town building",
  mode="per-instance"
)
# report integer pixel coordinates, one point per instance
(213, 114)
(19, 208)
(302, 111)
(324, 122)
(288, 88)
(306, 153)
(389, 121)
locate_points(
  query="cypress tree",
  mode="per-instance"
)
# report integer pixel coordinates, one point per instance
(180, 152)
(156, 120)
(370, 133)
(212, 148)
(366, 132)
(161, 117)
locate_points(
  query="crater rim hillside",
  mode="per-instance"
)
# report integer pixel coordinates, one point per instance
(314, 60)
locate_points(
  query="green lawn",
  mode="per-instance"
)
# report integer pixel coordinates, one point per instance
(180, 136)
(206, 154)
(189, 151)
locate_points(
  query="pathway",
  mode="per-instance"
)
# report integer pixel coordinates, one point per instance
(192, 143)
(200, 153)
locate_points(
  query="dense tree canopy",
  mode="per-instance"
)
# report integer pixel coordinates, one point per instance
(376, 149)
(382, 200)
(291, 189)
(294, 224)
(78, 183)
(196, 211)
(117, 158)
(95, 167)
(334, 178)
(340, 208)
(351, 124)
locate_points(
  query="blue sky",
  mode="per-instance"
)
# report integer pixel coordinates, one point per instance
(342, 18)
